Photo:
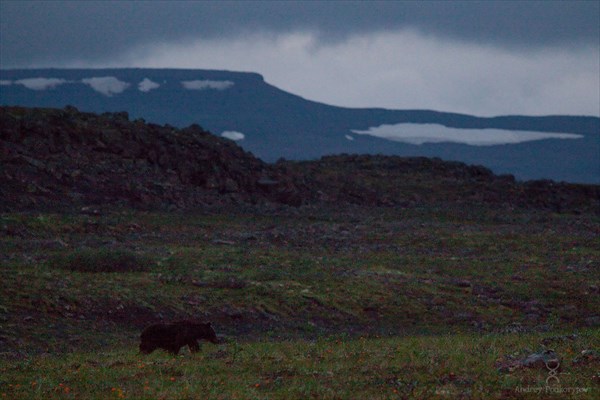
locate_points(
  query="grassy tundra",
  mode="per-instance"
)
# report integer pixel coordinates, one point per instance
(354, 303)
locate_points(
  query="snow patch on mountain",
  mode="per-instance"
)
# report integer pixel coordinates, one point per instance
(107, 85)
(433, 133)
(147, 85)
(233, 135)
(40, 83)
(207, 84)
(349, 137)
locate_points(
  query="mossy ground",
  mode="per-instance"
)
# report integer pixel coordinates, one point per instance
(355, 303)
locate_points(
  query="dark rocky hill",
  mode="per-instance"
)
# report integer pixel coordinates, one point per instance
(69, 160)
(418, 181)
(60, 158)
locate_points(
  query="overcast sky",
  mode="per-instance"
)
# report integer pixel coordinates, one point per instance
(483, 58)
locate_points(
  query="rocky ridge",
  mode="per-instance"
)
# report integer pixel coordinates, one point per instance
(419, 181)
(64, 159)
(61, 158)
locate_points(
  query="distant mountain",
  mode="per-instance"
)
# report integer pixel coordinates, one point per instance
(272, 123)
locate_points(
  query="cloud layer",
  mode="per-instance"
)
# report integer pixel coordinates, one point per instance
(402, 70)
(475, 57)
(432, 133)
(61, 31)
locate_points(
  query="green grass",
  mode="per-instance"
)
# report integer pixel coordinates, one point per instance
(429, 290)
(453, 366)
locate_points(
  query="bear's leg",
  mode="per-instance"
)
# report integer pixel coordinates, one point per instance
(147, 348)
(194, 346)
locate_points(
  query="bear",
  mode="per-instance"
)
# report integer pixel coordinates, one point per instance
(172, 337)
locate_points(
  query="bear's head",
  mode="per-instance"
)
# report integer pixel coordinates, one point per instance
(205, 331)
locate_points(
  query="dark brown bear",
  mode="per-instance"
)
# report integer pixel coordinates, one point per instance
(172, 337)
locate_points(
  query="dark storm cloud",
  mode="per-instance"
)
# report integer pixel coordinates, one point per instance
(58, 32)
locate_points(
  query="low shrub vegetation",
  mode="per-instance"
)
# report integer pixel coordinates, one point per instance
(100, 260)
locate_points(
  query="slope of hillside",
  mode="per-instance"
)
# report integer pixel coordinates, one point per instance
(61, 159)
(272, 123)
(411, 182)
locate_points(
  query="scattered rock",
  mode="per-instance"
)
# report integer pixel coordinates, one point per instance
(486, 292)
(223, 241)
(559, 339)
(547, 359)
(232, 313)
(194, 300)
(89, 211)
(464, 316)
(569, 312)
(514, 327)
(267, 182)
(456, 380)
(247, 236)
(587, 357)
(463, 283)
(533, 317)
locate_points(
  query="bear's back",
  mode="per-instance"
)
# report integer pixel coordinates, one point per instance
(157, 330)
